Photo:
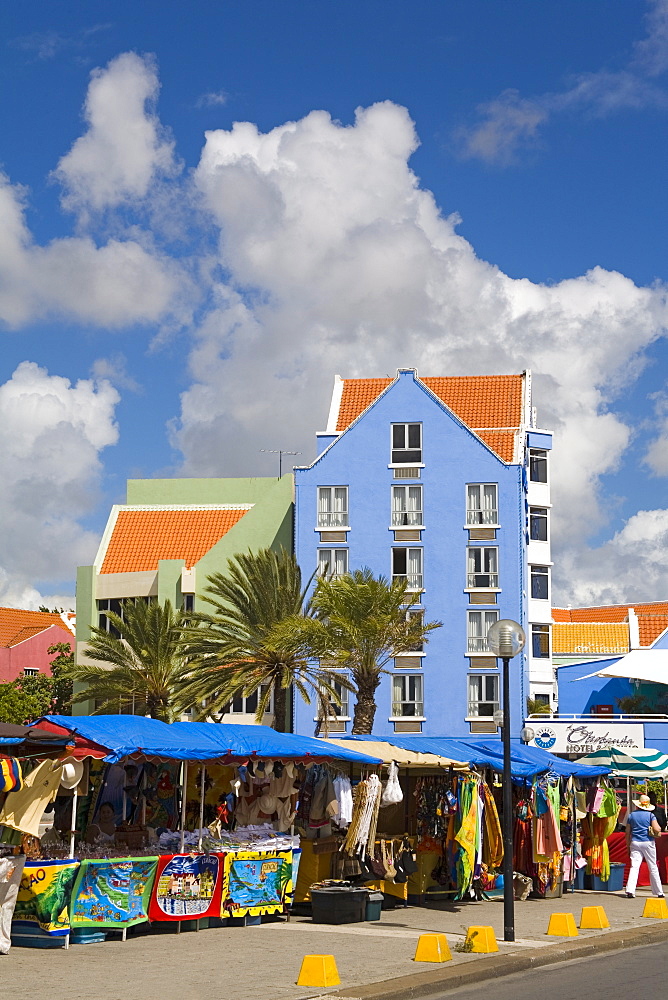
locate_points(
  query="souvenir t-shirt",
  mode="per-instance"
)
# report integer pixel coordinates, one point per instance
(23, 809)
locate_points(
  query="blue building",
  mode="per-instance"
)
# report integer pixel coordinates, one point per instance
(445, 482)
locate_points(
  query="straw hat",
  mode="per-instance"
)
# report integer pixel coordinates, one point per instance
(267, 804)
(643, 803)
(72, 774)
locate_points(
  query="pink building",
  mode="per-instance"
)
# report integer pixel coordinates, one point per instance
(25, 637)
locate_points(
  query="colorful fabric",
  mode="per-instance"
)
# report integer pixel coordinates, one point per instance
(44, 895)
(492, 842)
(23, 809)
(11, 777)
(466, 833)
(258, 882)
(187, 886)
(113, 893)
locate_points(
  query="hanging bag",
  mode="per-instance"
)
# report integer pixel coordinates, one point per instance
(392, 793)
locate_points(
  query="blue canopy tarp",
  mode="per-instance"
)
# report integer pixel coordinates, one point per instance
(526, 762)
(134, 735)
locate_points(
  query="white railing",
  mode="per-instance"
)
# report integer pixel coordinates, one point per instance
(406, 518)
(414, 579)
(333, 519)
(482, 580)
(476, 516)
(478, 644)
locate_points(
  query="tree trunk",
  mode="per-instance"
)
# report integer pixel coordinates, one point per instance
(280, 708)
(365, 707)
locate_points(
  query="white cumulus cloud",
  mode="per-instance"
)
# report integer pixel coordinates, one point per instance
(51, 436)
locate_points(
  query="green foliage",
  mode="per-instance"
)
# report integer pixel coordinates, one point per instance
(141, 670)
(234, 651)
(359, 623)
(26, 699)
(62, 667)
(537, 707)
(634, 704)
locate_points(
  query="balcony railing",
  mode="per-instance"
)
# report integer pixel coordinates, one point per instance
(406, 518)
(483, 580)
(406, 709)
(482, 709)
(477, 516)
(414, 579)
(333, 519)
(478, 644)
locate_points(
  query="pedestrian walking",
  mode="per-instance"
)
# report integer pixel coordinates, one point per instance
(641, 828)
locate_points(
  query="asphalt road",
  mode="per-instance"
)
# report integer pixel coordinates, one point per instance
(635, 972)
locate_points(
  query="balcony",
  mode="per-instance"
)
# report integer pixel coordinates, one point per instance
(478, 644)
(478, 516)
(482, 581)
(333, 519)
(414, 580)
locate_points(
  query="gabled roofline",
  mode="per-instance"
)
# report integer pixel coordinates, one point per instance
(13, 645)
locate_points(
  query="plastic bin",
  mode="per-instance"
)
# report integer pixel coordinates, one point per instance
(338, 905)
(373, 906)
(614, 884)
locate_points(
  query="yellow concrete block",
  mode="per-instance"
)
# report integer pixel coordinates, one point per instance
(432, 948)
(562, 925)
(318, 970)
(656, 907)
(480, 940)
(593, 918)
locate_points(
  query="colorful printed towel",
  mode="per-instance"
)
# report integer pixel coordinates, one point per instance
(44, 895)
(113, 893)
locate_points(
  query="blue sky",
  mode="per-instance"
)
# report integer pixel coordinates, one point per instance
(464, 187)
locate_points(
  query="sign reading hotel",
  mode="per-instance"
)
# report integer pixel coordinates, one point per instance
(586, 737)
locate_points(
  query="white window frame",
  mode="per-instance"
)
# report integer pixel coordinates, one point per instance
(401, 685)
(475, 578)
(31, 671)
(415, 577)
(480, 512)
(479, 688)
(539, 572)
(538, 455)
(339, 712)
(332, 562)
(538, 631)
(476, 641)
(541, 516)
(406, 434)
(244, 699)
(406, 513)
(332, 508)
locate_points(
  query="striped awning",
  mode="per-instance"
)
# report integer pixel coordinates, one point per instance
(639, 764)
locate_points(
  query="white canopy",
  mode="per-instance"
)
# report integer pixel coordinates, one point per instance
(639, 664)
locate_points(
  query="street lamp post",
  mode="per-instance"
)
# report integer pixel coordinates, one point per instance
(506, 639)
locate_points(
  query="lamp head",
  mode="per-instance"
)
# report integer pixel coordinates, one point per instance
(506, 638)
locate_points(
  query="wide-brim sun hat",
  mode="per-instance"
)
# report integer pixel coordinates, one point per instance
(267, 804)
(72, 774)
(643, 803)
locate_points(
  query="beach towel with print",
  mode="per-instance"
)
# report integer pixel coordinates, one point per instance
(258, 882)
(113, 893)
(44, 895)
(187, 886)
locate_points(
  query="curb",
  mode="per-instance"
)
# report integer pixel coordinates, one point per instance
(426, 984)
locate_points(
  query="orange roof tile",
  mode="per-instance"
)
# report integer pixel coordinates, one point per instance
(491, 405)
(141, 537)
(17, 625)
(592, 638)
(651, 627)
(652, 617)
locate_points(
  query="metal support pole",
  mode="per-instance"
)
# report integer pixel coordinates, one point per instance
(184, 788)
(508, 888)
(73, 821)
(202, 793)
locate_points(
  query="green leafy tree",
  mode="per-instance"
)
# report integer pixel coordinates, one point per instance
(62, 667)
(360, 623)
(232, 651)
(141, 669)
(537, 707)
(26, 699)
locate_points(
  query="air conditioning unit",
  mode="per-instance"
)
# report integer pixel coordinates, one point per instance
(602, 710)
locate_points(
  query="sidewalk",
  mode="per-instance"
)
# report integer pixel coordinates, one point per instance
(373, 959)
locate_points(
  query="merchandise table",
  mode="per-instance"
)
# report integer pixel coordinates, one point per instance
(618, 852)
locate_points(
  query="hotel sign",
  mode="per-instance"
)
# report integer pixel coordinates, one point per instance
(586, 737)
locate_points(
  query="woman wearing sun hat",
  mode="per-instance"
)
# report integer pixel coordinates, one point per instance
(641, 828)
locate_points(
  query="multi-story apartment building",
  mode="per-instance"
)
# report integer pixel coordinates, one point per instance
(443, 482)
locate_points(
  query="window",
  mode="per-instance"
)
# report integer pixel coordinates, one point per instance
(332, 562)
(407, 565)
(540, 641)
(406, 443)
(482, 503)
(542, 699)
(540, 582)
(188, 602)
(341, 711)
(30, 671)
(417, 647)
(407, 697)
(483, 695)
(115, 605)
(538, 524)
(537, 465)
(406, 506)
(248, 705)
(479, 624)
(332, 506)
(483, 567)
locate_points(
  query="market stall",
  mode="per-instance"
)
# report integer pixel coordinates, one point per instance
(210, 872)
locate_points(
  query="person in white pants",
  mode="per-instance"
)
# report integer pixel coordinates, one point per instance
(640, 845)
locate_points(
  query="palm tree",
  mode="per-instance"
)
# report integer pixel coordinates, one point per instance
(232, 652)
(143, 660)
(361, 622)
